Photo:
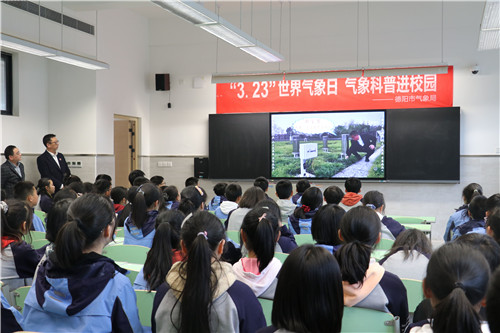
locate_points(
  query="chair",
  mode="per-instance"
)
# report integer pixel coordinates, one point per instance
(120, 232)
(267, 308)
(378, 254)
(368, 320)
(132, 275)
(414, 292)
(281, 256)
(384, 244)
(19, 297)
(41, 215)
(38, 243)
(35, 235)
(303, 239)
(145, 305)
(234, 235)
(135, 254)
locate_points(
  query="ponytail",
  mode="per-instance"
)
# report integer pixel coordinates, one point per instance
(147, 194)
(354, 260)
(192, 197)
(70, 242)
(159, 258)
(311, 200)
(455, 313)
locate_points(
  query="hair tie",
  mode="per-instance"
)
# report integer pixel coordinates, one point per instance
(306, 208)
(203, 233)
(139, 190)
(4, 206)
(459, 285)
(80, 224)
(371, 206)
(262, 217)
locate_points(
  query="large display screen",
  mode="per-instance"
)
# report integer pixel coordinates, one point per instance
(328, 144)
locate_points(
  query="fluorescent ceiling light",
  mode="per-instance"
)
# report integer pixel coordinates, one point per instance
(26, 46)
(76, 60)
(369, 72)
(227, 34)
(262, 54)
(188, 10)
(489, 35)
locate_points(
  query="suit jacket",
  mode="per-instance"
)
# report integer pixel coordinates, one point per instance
(48, 168)
(10, 177)
(368, 139)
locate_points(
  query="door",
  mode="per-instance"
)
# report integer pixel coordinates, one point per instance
(125, 143)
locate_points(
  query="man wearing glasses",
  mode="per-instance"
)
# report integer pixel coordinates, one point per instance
(52, 164)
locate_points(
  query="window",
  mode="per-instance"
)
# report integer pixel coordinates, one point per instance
(6, 102)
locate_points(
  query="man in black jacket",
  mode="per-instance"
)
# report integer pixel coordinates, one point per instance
(361, 143)
(52, 164)
(12, 170)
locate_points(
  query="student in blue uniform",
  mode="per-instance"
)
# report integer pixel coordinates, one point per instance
(460, 216)
(77, 289)
(202, 294)
(325, 227)
(140, 225)
(477, 212)
(366, 283)
(301, 186)
(390, 227)
(233, 194)
(219, 190)
(300, 220)
(172, 197)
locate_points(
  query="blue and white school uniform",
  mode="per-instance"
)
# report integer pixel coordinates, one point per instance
(301, 226)
(414, 267)
(235, 219)
(10, 317)
(216, 202)
(456, 219)
(286, 242)
(390, 227)
(37, 223)
(225, 208)
(263, 284)
(19, 262)
(470, 227)
(425, 327)
(93, 296)
(143, 236)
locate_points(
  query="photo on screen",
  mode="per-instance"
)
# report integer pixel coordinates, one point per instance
(328, 144)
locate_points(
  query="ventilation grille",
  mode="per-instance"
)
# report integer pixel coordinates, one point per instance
(52, 15)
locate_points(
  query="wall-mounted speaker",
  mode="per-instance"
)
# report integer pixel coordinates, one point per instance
(201, 167)
(162, 82)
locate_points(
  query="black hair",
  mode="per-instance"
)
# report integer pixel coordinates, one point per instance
(477, 207)
(326, 224)
(167, 238)
(138, 181)
(220, 188)
(261, 228)
(470, 190)
(170, 193)
(352, 185)
(251, 197)
(411, 240)
(493, 202)
(118, 193)
(192, 197)
(157, 180)
(103, 176)
(353, 133)
(317, 301)
(43, 183)
(333, 195)
(23, 189)
(88, 215)
(70, 179)
(311, 199)
(201, 235)
(284, 189)
(302, 185)
(56, 218)
(261, 182)
(9, 151)
(46, 139)
(3, 195)
(233, 192)
(134, 174)
(65, 193)
(494, 223)
(484, 244)
(374, 198)
(13, 213)
(191, 181)
(360, 229)
(493, 302)
(458, 277)
(102, 186)
(87, 187)
(144, 199)
(271, 205)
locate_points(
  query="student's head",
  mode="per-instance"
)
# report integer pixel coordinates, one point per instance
(12, 154)
(138, 181)
(477, 207)
(312, 198)
(309, 296)
(492, 203)
(470, 190)
(456, 282)
(16, 218)
(411, 240)
(261, 182)
(493, 225)
(191, 181)
(333, 195)
(354, 135)
(86, 187)
(374, 200)
(284, 189)
(484, 244)
(91, 224)
(56, 218)
(134, 174)
(65, 193)
(360, 230)
(259, 233)
(145, 199)
(103, 176)
(70, 179)
(192, 199)
(103, 187)
(220, 189)
(251, 197)
(233, 192)
(158, 180)
(50, 142)
(493, 303)
(119, 195)
(170, 193)
(352, 185)
(166, 239)
(202, 240)
(302, 185)
(326, 223)
(46, 186)
(26, 191)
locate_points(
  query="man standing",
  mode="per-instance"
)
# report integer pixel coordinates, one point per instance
(52, 164)
(364, 143)
(12, 170)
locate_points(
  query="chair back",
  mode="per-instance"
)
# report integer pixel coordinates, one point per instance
(281, 256)
(414, 292)
(267, 308)
(145, 305)
(38, 243)
(304, 239)
(384, 244)
(368, 320)
(19, 297)
(135, 254)
(234, 235)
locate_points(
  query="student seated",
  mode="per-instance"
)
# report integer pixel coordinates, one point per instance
(202, 294)
(284, 191)
(461, 216)
(263, 183)
(301, 219)
(119, 197)
(26, 191)
(191, 181)
(352, 198)
(409, 255)
(493, 303)
(46, 190)
(250, 198)
(193, 199)
(301, 186)
(219, 190)
(233, 194)
(134, 174)
(76, 288)
(493, 225)
(333, 195)
(390, 227)
(159, 181)
(325, 227)
(477, 213)
(172, 197)
(492, 203)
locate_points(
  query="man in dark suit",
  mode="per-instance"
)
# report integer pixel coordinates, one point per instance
(12, 170)
(52, 164)
(364, 143)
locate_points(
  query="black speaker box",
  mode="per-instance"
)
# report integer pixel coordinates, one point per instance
(162, 82)
(201, 167)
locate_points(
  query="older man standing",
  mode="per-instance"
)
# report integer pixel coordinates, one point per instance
(12, 170)
(52, 164)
